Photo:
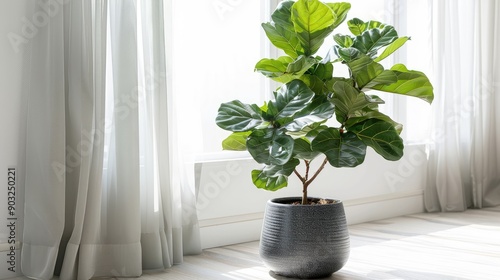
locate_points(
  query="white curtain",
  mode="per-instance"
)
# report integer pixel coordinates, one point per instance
(101, 194)
(464, 156)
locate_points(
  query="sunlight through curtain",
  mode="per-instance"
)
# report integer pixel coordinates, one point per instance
(101, 194)
(464, 158)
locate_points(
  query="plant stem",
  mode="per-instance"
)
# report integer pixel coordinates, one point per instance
(306, 181)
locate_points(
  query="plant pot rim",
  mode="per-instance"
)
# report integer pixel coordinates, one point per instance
(282, 201)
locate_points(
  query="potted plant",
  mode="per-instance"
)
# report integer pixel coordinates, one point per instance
(315, 114)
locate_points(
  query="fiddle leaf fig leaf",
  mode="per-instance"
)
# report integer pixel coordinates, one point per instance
(347, 54)
(270, 146)
(290, 99)
(381, 136)
(317, 111)
(356, 26)
(284, 69)
(347, 100)
(373, 39)
(409, 83)
(302, 150)
(274, 177)
(300, 65)
(282, 15)
(369, 73)
(283, 39)
(236, 141)
(391, 48)
(340, 9)
(344, 41)
(313, 22)
(273, 68)
(323, 71)
(341, 149)
(366, 114)
(236, 116)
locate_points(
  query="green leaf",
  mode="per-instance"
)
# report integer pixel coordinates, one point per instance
(270, 146)
(274, 177)
(373, 39)
(290, 99)
(386, 77)
(340, 10)
(369, 73)
(273, 67)
(284, 69)
(366, 114)
(381, 136)
(347, 100)
(409, 83)
(314, 83)
(313, 22)
(300, 65)
(323, 71)
(356, 26)
(392, 48)
(302, 150)
(344, 41)
(342, 150)
(236, 141)
(347, 54)
(237, 116)
(283, 39)
(318, 111)
(282, 15)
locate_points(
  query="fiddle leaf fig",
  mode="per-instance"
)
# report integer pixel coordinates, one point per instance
(274, 177)
(340, 10)
(273, 68)
(236, 116)
(371, 40)
(313, 21)
(270, 146)
(284, 69)
(347, 54)
(344, 41)
(290, 99)
(341, 149)
(282, 15)
(347, 100)
(409, 83)
(236, 141)
(283, 39)
(303, 150)
(356, 26)
(381, 136)
(391, 48)
(295, 124)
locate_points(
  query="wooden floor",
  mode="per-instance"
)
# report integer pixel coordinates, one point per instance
(441, 246)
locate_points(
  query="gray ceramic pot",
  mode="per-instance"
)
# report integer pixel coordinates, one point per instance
(304, 241)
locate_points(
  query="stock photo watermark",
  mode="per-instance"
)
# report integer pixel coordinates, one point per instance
(122, 108)
(222, 7)
(47, 9)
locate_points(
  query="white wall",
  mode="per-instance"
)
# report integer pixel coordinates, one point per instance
(228, 202)
(11, 82)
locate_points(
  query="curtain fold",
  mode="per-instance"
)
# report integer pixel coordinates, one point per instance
(464, 155)
(101, 197)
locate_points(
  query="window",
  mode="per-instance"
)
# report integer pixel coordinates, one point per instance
(215, 47)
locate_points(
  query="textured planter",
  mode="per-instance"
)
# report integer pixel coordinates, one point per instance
(304, 241)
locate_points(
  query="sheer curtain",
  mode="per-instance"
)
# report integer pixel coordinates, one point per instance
(101, 194)
(464, 157)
